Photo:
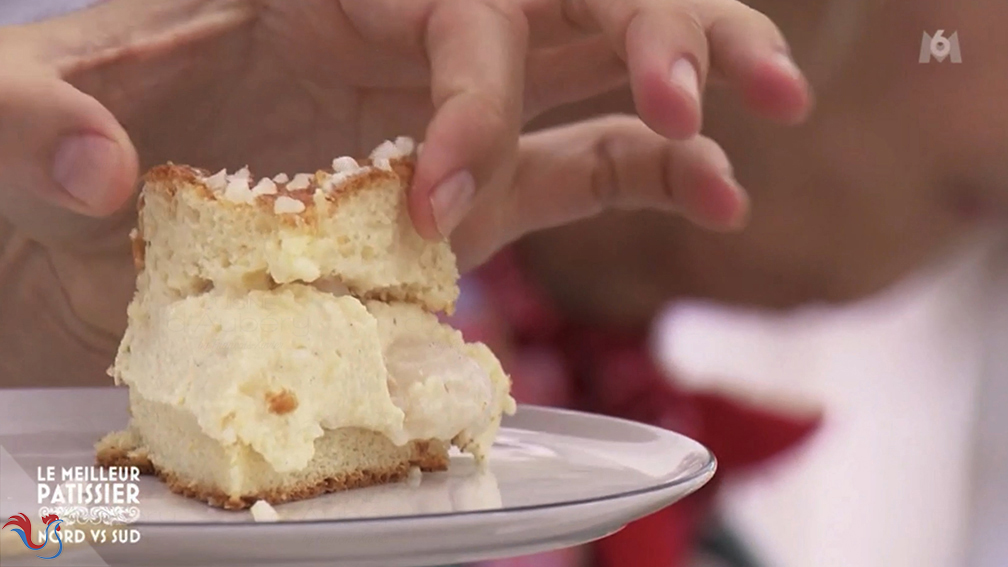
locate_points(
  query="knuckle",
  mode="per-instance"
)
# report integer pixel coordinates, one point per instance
(606, 180)
(715, 153)
(764, 24)
(669, 175)
(509, 13)
(628, 175)
(692, 20)
(687, 23)
(575, 13)
(689, 15)
(752, 19)
(492, 112)
(737, 17)
(439, 20)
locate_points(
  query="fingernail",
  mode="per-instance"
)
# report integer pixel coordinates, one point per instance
(684, 75)
(85, 165)
(741, 216)
(784, 62)
(451, 201)
(723, 164)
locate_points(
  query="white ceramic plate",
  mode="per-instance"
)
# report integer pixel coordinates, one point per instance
(555, 479)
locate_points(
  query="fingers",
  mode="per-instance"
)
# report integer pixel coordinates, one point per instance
(750, 52)
(670, 47)
(553, 22)
(667, 58)
(571, 73)
(574, 172)
(665, 49)
(60, 147)
(477, 52)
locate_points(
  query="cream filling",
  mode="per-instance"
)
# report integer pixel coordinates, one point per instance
(276, 369)
(440, 389)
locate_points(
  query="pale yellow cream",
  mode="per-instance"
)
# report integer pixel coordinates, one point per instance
(274, 369)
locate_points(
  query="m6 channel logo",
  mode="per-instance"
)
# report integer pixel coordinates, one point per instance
(940, 48)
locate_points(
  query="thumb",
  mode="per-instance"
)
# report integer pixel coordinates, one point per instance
(59, 146)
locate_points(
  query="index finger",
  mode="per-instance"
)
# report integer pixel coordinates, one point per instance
(477, 53)
(670, 46)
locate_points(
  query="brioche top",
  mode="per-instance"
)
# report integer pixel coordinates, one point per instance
(286, 195)
(346, 225)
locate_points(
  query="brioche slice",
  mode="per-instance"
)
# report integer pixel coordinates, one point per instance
(290, 392)
(273, 369)
(283, 342)
(169, 442)
(347, 226)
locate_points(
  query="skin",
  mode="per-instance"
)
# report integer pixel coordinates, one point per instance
(899, 164)
(90, 100)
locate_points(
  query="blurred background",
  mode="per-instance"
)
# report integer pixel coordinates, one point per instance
(910, 463)
(846, 355)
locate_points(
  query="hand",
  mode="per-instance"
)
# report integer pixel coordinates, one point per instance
(287, 85)
(577, 171)
(89, 100)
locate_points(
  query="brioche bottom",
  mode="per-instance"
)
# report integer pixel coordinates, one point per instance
(168, 442)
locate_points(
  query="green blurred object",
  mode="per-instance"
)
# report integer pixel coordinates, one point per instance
(723, 546)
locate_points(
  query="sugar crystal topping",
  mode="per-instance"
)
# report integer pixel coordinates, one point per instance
(345, 163)
(240, 187)
(218, 181)
(390, 150)
(286, 205)
(265, 186)
(300, 182)
(238, 190)
(405, 145)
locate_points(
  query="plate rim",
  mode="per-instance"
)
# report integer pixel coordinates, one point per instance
(702, 476)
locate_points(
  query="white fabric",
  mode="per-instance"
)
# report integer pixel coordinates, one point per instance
(989, 537)
(24, 11)
(890, 481)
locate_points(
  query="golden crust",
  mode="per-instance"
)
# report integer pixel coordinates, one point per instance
(139, 249)
(347, 481)
(115, 456)
(429, 456)
(170, 177)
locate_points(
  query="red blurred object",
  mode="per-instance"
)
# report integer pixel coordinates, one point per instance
(612, 372)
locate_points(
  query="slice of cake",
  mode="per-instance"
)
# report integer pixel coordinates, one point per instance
(348, 225)
(283, 340)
